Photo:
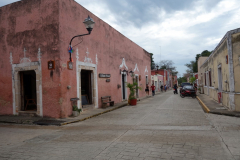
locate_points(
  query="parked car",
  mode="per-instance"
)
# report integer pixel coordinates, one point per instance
(183, 84)
(188, 91)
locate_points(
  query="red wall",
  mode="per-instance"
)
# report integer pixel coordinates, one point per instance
(30, 24)
(50, 25)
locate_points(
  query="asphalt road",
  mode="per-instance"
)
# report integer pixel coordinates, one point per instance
(165, 126)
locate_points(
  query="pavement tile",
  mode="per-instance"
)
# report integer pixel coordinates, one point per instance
(173, 127)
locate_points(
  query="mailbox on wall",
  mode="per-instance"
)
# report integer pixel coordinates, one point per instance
(70, 65)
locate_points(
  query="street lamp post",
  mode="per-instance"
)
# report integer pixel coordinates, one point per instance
(89, 24)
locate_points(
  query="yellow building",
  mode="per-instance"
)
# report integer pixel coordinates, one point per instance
(219, 74)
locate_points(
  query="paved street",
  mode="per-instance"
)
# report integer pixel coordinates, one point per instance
(165, 126)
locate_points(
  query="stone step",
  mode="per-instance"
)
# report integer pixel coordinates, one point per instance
(28, 113)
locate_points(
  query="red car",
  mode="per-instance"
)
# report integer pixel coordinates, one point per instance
(188, 91)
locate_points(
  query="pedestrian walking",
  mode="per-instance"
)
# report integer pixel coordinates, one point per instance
(165, 88)
(161, 88)
(153, 89)
(147, 89)
(195, 87)
(175, 88)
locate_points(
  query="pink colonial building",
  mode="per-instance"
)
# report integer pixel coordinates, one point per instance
(35, 75)
(167, 76)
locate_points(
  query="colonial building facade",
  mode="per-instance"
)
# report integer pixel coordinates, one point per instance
(167, 76)
(36, 76)
(219, 73)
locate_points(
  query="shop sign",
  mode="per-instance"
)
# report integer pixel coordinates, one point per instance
(101, 75)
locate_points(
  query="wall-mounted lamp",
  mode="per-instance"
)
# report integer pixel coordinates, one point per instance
(89, 24)
(131, 73)
(124, 71)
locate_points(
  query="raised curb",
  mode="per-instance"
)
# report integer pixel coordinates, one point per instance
(83, 119)
(206, 109)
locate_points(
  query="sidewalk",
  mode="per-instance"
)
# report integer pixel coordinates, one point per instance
(89, 113)
(211, 106)
(30, 120)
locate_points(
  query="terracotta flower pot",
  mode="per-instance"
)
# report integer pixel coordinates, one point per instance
(133, 102)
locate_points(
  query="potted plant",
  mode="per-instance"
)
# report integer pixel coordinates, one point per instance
(132, 100)
(75, 111)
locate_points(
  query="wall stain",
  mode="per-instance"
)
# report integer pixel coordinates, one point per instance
(3, 102)
(236, 39)
(51, 74)
(12, 23)
(60, 101)
(220, 49)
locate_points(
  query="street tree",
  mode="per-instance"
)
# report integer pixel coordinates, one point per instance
(182, 79)
(168, 64)
(193, 65)
(152, 62)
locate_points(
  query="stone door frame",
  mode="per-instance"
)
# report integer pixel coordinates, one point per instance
(90, 67)
(16, 87)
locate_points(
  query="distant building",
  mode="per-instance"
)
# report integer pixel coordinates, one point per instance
(167, 76)
(219, 73)
(157, 80)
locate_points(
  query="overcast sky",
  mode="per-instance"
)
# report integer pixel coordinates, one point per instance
(174, 30)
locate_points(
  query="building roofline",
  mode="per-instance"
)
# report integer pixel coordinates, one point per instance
(237, 30)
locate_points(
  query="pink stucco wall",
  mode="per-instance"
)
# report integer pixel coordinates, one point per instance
(30, 24)
(50, 25)
(109, 45)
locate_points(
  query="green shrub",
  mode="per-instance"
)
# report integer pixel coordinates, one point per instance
(75, 108)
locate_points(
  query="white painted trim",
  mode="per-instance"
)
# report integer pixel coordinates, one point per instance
(78, 70)
(136, 68)
(207, 81)
(231, 72)
(123, 64)
(136, 75)
(231, 101)
(94, 79)
(26, 67)
(211, 87)
(230, 63)
(146, 70)
(124, 85)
